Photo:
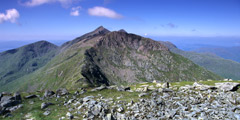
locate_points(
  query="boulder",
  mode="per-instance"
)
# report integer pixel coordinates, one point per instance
(158, 85)
(165, 85)
(3, 111)
(46, 113)
(109, 117)
(166, 90)
(14, 108)
(120, 109)
(127, 88)
(69, 115)
(99, 88)
(48, 93)
(62, 92)
(145, 89)
(119, 88)
(45, 105)
(142, 94)
(202, 87)
(1, 95)
(9, 103)
(17, 96)
(30, 96)
(227, 86)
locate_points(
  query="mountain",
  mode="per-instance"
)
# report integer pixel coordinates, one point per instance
(223, 67)
(231, 53)
(104, 57)
(16, 63)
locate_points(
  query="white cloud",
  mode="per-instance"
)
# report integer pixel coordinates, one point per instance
(103, 12)
(11, 15)
(75, 11)
(32, 3)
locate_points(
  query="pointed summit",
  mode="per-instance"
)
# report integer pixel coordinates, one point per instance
(122, 30)
(100, 30)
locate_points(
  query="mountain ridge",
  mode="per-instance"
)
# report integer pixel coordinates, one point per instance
(104, 57)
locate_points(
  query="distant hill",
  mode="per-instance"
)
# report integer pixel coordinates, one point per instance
(231, 53)
(105, 57)
(223, 67)
(16, 63)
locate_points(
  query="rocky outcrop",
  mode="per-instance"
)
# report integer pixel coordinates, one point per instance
(48, 93)
(227, 86)
(62, 92)
(10, 103)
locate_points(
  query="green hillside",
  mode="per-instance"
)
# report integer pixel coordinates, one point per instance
(19, 62)
(223, 67)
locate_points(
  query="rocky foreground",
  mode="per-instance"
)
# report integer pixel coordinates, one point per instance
(146, 101)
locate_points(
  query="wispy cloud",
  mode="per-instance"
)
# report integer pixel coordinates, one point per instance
(32, 3)
(75, 11)
(11, 15)
(170, 25)
(103, 12)
(193, 30)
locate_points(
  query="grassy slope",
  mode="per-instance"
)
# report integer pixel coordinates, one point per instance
(231, 53)
(220, 66)
(22, 61)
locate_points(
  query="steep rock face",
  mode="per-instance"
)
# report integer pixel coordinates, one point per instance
(18, 62)
(127, 58)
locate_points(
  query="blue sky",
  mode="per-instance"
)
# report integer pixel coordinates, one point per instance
(67, 19)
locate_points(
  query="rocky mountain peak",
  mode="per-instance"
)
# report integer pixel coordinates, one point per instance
(124, 39)
(100, 30)
(122, 30)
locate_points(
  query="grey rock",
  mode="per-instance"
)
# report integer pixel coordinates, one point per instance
(5, 98)
(46, 113)
(99, 88)
(69, 115)
(1, 95)
(62, 92)
(17, 96)
(109, 117)
(88, 98)
(119, 88)
(227, 86)
(120, 109)
(9, 101)
(142, 94)
(30, 96)
(48, 93)
(237, 116)
(166, 90)
(45, 105)
(14, 108)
